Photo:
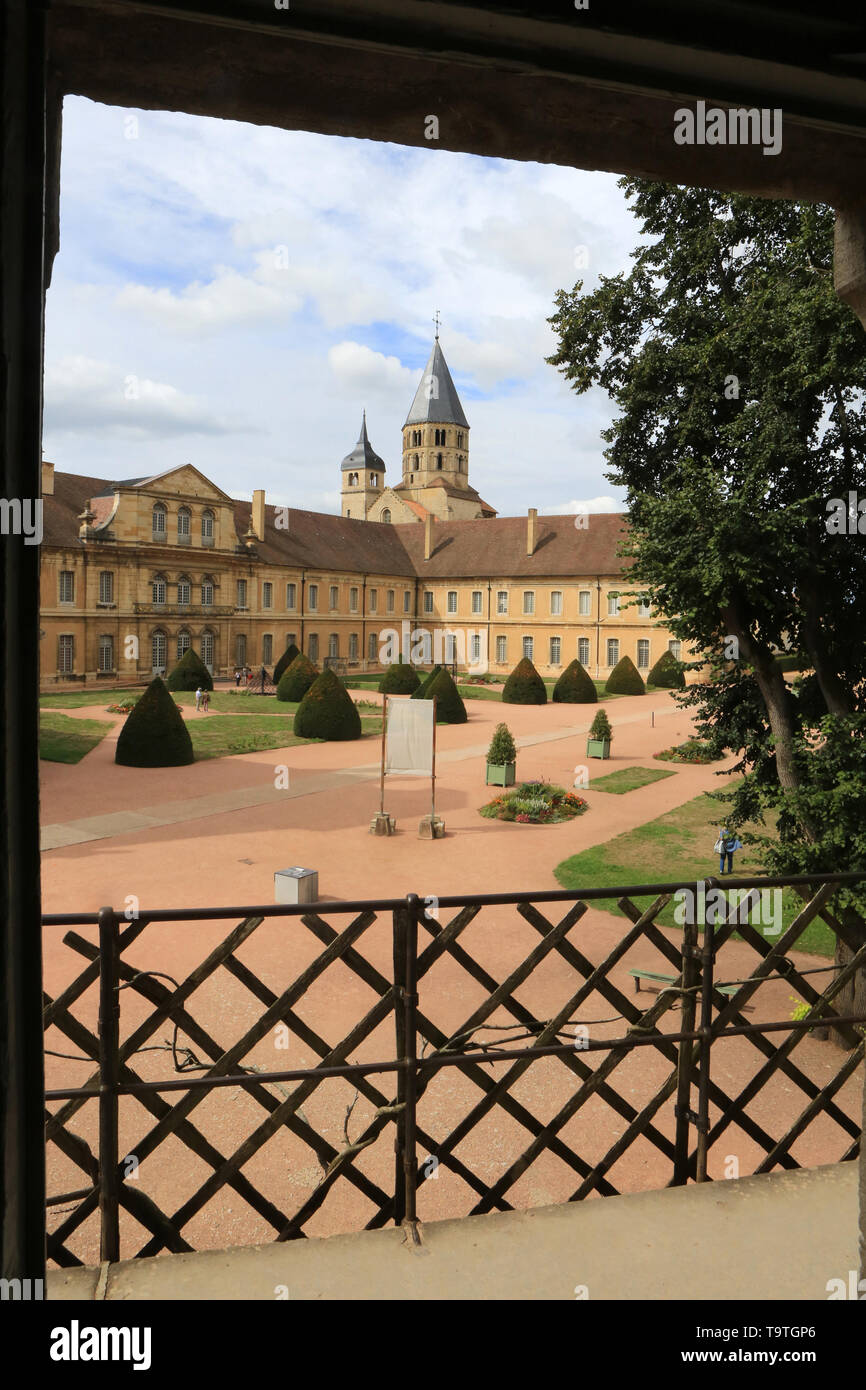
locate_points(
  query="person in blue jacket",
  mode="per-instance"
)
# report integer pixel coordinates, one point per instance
(726, 847)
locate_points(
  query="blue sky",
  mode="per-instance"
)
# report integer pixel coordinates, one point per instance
(233, 296)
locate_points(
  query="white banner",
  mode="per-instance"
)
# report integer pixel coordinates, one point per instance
(409, 732)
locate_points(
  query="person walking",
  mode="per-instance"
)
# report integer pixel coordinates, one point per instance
(205, 701)
(198, 698)
(726, 847)
(237, 676)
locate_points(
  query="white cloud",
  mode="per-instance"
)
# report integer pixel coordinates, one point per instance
(85, 396)
(358, 368)
(590, 504)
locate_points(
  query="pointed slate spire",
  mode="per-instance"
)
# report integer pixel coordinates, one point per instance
(436, 399)
(363, 455)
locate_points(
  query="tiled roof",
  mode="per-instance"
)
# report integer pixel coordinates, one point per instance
(436, 399)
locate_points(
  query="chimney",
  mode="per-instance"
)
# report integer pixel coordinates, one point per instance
(428, 535)
(257, 520)
(47, 478)
(530, 530)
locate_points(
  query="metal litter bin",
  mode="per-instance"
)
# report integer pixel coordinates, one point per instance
(296, 885)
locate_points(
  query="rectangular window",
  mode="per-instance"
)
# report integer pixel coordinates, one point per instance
(613, 605)
(313, 646)
(207, 527)
(475, 647)
(333, 597)
(373, 600)
(65, 655)
(333, 646)
(267, 595)
(67, 586)
(556, 603)
(353, 646)
(450, 647)
(584, 603)
(389, 600)
(529, 601)
(502, 601)
(371, 647)
(675, 648)
(353, 600)
(407, 600)
(206, 593)
(291, 595)
(268, 648)
(241, 649)
(106, 653)
(528, 648)
(612, 651)
(428, 601)
(555, 651)
(184, 592)
(583, 650)
(313, 597)
(501, 650)
(242, 593)
(106, 588)
(643, 608)
(476, 600)
(643, 654)
(452, 600)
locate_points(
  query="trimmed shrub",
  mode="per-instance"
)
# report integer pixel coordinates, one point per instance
(667, 674)
(189, 673)
(524, 686)
(285, 661)
(154, 734)
(575, 687)
(327, 711)
(399, 679)
(421, 692)
(625, 679)
(502, 748)
(600, 726)
(450, 708)
(297, 679)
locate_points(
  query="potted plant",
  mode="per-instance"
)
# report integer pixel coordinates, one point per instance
(600, 735)
(501, 758)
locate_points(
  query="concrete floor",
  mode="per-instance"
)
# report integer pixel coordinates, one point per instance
(780, 1237)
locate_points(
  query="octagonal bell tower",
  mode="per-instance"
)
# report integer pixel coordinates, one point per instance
(362, 477)
(436, 432)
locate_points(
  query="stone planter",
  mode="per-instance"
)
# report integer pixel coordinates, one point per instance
(598, 747)
(501, 774)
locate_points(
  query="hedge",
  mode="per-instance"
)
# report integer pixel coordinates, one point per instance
(189, 673)
(524, 686)
(667, 674)
(421, 692)
(625, 679)
(399, 679)
(154, 734)
(297, 679)
(327, 711)
(450, 708)
(285, 661)
(575, 687)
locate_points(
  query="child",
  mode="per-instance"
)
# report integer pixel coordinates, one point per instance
(726, 846)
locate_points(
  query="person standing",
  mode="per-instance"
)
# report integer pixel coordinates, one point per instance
(198, 698)
(726, 847)
(205, 701)
(237, 676)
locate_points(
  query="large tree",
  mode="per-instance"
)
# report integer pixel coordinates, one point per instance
(738, 378)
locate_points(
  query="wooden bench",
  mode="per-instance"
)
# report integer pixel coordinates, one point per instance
(639, 975)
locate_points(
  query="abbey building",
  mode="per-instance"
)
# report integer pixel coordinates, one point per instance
(134, 571)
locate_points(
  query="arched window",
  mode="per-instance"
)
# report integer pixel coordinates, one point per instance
(184, 590)
(158, 649)
(184, 642)
(106, 652)
(158, 588)
(386, 515)
(459, 463)
(206, 593)
(159, 516)
(374, 481)
(184, 517)
(438, 460)
(207, 527)
(416, 463)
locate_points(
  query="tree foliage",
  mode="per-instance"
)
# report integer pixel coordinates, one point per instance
(285, 661)
(667, 673)
(154, 734)
(296, 679)
(524, 686)
(399, 679)
(189, 673)
(327, 710)
(625, 679)
(575, 686)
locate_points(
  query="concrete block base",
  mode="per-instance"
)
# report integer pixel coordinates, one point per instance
(382, 824)
(431, 828)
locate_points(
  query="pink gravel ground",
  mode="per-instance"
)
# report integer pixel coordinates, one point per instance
(230, 858)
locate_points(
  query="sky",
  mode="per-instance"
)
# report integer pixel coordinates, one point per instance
(233, 297)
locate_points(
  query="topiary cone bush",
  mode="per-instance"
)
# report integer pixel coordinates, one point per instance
(154, 734)
(667, 674)
(421, 692)
(575, 687)
(502, 748)
(625, 679)
(285, 661)
(297, 679)
(399, 679)
(327, 711)
(600, 727)
(524, 686)
(450, 709)
(189, 673)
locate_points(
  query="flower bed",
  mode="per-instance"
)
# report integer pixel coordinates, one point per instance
(535, 803)
(123, 708)
(692, 751)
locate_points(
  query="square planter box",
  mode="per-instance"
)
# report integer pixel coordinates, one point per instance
(598, 747)
(501, 774)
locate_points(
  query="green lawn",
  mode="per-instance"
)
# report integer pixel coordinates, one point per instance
(250, 733)
(65, 740)
(678, 845)
(76, 698)
(627, 779)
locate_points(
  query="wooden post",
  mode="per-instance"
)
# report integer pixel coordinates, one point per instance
(382, 771)
(433, 770)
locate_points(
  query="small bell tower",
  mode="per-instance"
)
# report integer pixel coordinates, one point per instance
(363, 477)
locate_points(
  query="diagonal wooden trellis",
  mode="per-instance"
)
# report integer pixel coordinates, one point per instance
(422, 1048)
